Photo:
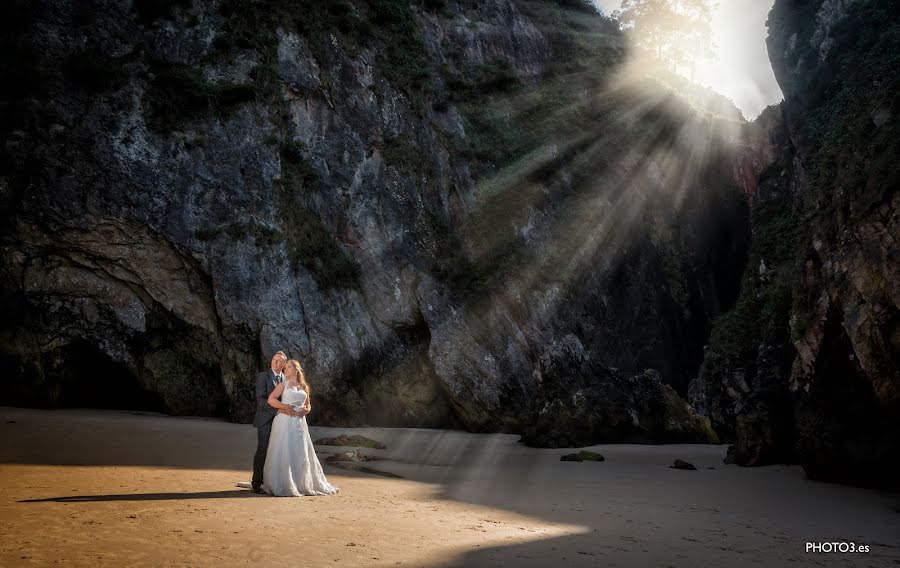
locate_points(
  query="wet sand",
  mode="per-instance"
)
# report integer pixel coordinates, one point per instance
(108, 488)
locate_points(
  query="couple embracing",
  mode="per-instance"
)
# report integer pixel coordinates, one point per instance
(285, 463)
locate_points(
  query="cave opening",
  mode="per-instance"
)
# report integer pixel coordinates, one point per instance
(847, 433)
(85, 377)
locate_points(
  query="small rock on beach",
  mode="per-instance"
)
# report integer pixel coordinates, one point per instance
(681, 464)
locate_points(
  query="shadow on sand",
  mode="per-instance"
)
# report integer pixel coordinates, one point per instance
(235, 494)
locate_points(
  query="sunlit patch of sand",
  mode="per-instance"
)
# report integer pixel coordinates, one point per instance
(148, 516)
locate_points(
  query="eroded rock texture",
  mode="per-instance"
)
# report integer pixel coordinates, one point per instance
(421, 201)
(806, 366)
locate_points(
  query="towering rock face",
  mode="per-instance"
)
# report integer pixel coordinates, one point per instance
(806, 368)
(742, 384)
(445, 210)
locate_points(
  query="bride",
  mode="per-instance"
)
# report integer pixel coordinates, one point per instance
(292, 468)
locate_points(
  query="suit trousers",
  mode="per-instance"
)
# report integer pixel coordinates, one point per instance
(262, 446)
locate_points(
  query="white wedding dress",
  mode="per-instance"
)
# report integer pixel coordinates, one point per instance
(292, 468)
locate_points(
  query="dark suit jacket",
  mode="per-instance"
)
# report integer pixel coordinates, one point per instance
(265, 384)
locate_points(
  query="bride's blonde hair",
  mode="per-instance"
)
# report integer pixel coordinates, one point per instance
(301, 376)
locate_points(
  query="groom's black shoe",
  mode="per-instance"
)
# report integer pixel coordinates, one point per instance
(257, 488)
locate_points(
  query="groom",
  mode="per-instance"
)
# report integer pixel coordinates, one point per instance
(265, 384)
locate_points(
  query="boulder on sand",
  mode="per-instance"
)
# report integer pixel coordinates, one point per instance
(583, 455)
(681, 464)
(349, 456)
(345, 440)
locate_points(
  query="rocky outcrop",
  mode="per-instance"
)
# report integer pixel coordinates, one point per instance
(761, 141)
(805, 368)
(418, 200)
(582, 456)
(584, 403)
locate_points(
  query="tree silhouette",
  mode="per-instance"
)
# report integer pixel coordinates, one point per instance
(676, 32)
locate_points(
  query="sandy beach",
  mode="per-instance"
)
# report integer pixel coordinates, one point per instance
(107, 488)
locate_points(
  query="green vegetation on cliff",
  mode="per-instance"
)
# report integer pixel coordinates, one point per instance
(803, 367)
(847, 156)
(854, 150)
(387, 26)
(762, 311)
(178, 93)
(309, 241)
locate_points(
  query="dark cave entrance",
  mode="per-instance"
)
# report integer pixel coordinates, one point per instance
(85, 377)
(847, 433)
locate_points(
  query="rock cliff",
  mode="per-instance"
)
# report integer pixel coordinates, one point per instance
(446, 210)
(805, 368)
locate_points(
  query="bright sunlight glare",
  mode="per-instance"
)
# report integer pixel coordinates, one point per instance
(740, 69)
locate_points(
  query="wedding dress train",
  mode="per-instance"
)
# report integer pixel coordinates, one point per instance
(292, 468)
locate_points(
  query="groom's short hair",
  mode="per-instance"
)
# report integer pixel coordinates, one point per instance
(277, 353)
